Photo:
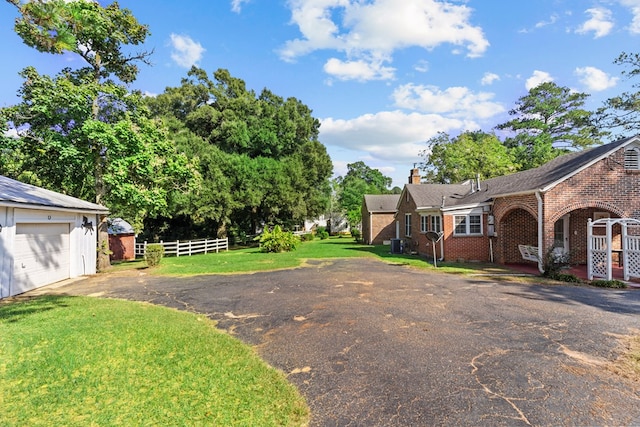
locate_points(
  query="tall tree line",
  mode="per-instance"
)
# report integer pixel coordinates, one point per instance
(259, 157)
(208, 157)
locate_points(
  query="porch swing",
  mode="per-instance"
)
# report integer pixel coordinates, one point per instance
(600, 248)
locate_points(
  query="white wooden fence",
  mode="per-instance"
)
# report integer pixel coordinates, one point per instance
(187, 247)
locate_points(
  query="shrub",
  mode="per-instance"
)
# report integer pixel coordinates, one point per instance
(307, 237)
(153, 254)
(553, 263)
(277, 240)
(565, 277)
(355, 233)
(322, 233)
(609, 284)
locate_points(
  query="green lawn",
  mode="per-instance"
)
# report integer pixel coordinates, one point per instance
(79, 361)
(251, 260)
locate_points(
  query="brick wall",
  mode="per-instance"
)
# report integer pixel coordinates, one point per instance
(365, 223)
(383, 227)
(465, 248)
(603, 187)
(122, 247)
(416, 241)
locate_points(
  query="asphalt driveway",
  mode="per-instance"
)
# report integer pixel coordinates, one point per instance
(372, 344)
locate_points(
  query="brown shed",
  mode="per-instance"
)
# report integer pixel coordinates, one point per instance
(122, 240)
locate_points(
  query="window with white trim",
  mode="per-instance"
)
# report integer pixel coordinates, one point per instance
(632, 159)
(424, 223)
(436, 223)
(407, 224)
(467, 225)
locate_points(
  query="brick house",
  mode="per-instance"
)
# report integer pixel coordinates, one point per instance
(546, 208)
(378, 213)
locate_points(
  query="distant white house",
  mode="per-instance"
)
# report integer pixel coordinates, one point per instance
(45, 237)
(335, 222)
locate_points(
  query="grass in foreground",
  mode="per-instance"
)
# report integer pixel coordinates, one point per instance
(88, 361)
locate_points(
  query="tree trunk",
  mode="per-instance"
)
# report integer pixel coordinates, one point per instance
(103, 244)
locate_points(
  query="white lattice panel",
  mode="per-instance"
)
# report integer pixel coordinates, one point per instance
(599, 263)
(633, 262)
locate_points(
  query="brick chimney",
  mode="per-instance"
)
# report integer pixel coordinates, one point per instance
(414, 178)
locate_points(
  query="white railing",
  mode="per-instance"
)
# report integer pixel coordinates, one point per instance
(187, 247)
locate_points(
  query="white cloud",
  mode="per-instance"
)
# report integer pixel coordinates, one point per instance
(537, 78)
(601, 22)
(489, 78)
(595, 79)
(634, 7)
(371, 31)
(186, 52)
(393, 137)
(422, 66)
(358, 70)
(236, 5)
(552, 20)
(459, 102)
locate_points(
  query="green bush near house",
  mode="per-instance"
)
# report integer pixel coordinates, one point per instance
(322, 233)
(609, 284)
(355, 233)
(307, 237)
(153, 254)
(278, 240)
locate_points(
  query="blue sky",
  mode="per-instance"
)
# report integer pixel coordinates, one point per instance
(382, 76)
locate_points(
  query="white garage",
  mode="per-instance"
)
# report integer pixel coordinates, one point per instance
(45, 237)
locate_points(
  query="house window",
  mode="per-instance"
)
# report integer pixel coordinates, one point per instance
(407, 224)
(436, 224)
(467, 225)
(424, 223)
(632, 159)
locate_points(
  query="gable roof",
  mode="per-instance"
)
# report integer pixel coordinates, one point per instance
(435, 195)
(19, 194)
(381, 203)
(542, 178)
(545, 177)
(117, 226)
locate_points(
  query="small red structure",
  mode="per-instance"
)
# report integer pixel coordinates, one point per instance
(122, 240)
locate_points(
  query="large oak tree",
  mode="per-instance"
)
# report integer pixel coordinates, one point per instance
(259, 156)
(82, 132)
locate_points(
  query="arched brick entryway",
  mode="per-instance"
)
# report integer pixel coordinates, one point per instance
(517, 227)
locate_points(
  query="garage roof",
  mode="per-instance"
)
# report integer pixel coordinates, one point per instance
(14, 192)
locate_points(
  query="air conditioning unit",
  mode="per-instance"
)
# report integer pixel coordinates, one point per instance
(397, 246)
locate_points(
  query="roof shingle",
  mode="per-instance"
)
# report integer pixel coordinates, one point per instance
(12, 191)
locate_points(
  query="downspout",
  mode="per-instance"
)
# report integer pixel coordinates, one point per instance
(370, 228)
(441, 229)
(540, 231)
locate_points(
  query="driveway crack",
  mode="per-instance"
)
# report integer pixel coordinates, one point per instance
(510, 400)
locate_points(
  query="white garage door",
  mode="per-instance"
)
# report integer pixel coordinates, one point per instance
(41, 256)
